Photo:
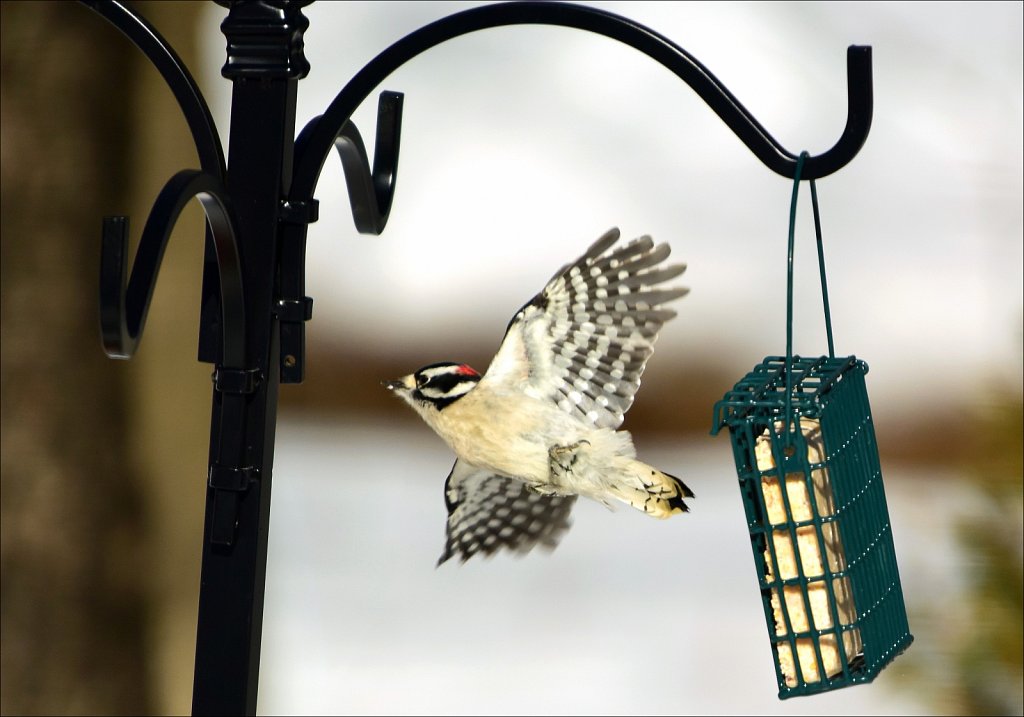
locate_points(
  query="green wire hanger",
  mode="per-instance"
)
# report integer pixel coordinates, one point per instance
(789, 287)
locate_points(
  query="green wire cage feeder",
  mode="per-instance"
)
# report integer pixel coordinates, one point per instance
(804, 445)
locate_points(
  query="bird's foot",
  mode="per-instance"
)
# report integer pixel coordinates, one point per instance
(563, 458)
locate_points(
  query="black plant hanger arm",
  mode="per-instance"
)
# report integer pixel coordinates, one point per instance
(175, 74)
(124, 301)
(323, 135)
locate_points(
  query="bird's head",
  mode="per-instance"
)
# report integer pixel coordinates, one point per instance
(435, 387)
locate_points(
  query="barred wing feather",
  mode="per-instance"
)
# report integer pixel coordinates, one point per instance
(487, 512)
(583, 342)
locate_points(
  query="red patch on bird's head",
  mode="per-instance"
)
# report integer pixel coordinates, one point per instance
(465, 370)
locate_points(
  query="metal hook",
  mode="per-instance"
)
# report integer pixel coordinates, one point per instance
(204, 135)
(370, 191)
(123, 307)
(370, 194)
(776, 157)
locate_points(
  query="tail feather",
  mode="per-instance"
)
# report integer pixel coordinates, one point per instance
(652, 491)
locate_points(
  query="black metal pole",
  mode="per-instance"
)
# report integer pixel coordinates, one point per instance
(265, 62)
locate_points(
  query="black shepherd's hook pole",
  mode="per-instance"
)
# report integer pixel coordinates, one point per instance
(258, 207)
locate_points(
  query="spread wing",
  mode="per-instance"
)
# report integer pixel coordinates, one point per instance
(487, 512)
(584, 341)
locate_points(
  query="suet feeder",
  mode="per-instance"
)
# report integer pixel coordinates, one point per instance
(822, 545)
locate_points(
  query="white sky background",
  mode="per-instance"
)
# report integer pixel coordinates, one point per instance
(521, 145)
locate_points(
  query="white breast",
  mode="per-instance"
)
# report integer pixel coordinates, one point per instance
(507, 432)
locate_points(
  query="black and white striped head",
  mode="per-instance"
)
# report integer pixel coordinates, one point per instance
(437, 385)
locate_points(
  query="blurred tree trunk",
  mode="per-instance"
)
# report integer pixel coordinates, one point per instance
(171, 391)
(102, 462)
(73, 601)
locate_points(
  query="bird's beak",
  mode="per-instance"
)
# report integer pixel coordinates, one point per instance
(398, 384)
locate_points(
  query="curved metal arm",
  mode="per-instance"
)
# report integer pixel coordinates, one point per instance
(176, 75)
(123, 308)
(658, 47)
(370, 192)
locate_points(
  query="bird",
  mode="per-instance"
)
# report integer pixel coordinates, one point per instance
(540, 426)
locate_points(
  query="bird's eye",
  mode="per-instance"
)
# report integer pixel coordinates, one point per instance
(420, 380)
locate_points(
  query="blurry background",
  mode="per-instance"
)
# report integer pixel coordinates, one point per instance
(520, 146)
